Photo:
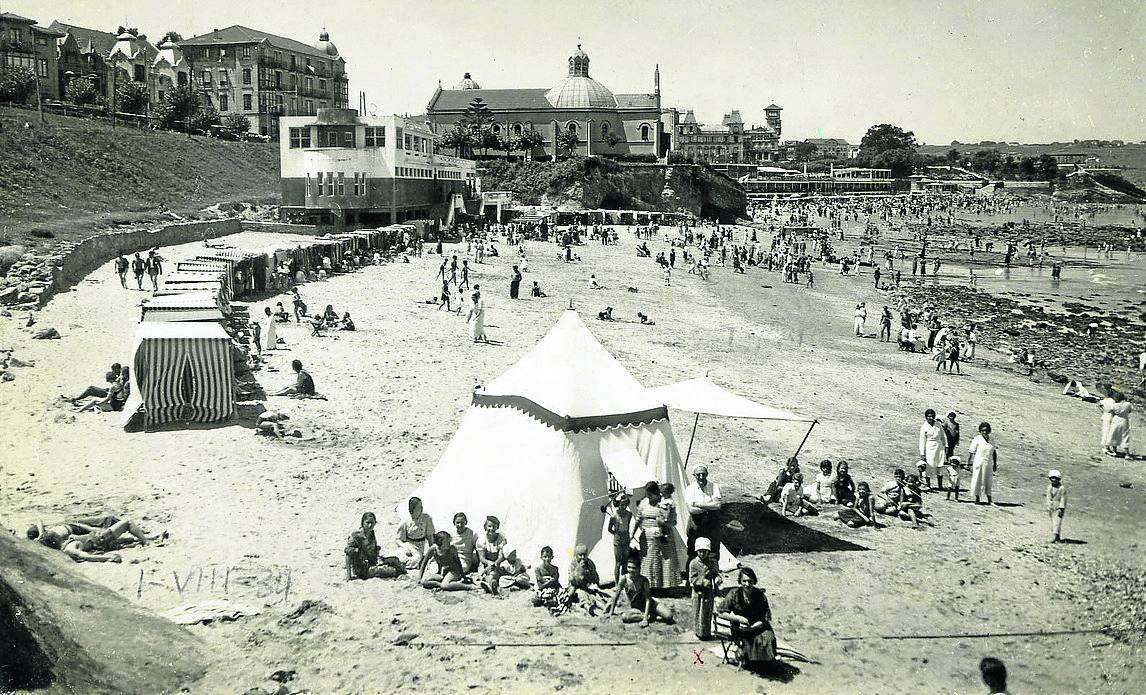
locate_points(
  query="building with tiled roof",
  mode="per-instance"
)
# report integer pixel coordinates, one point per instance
(25, 44)
(90, 54)
(264, 76)
(605, 122)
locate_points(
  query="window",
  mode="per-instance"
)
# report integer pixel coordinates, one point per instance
(375, 136)
(360, 183)
(246, 102)
(206, 77)
(572, 127)
(322, 86)
(517, 129)
(330, 183)
(41, 40)
(347, 139)
(407, 141)
(224, 102)
(605, 129)
(496, 128)
(140, 75)
(292, 62)
(14, 34)
(319, 175)
(222, 53)
(278, 79)
(309, 107)
(182, 79)
(310, 84)
(246, 75)
(341, 183)
(299, 137)
(42, 67)
(246, 51)
(645, 133)
(223, 77)
(308, 187)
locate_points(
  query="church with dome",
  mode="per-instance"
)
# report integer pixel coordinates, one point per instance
(605, 122)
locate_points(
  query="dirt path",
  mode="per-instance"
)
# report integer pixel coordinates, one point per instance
(264, 522)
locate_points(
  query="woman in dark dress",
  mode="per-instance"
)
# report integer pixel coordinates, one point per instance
(362, 559)
(515, 283)
(751, 617)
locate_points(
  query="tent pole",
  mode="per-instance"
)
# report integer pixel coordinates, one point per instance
(692, 437)
(805, 439)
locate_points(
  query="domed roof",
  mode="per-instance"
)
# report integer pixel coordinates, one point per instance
(467, 83)
(576, 92)
(324, 44)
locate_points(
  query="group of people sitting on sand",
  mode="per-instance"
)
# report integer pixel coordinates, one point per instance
(105, 398)
(857, 504)
(92, 538)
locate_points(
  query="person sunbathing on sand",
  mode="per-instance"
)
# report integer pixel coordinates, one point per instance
(91, 539)
(450, 574)
(97, 391)
(303, 385)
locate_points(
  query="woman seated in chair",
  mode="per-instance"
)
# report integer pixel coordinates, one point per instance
(746, 607)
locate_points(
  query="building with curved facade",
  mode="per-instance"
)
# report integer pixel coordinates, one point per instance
(605, 123)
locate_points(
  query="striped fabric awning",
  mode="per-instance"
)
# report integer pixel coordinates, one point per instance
(203, 267)
(196, 285)
(163, 313)
(181, 298)
(183, 372)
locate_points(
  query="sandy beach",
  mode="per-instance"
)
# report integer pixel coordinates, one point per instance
(263, 522)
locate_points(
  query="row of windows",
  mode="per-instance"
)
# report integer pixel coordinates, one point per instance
(415, 173)
(331, 183)
(375, 136)
(448, 174)
(517, 129)
(413, 143)
(223, 52)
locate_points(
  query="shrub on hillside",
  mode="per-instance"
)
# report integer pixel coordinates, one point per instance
(17, 84)
(177, 105)
(80, 91)
(130, 97)
(626, 157)
(237, 122)
(204, 118)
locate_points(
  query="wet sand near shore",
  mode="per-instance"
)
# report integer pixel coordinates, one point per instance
(264, 521)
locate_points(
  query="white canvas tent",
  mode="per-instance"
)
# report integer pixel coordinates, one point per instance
(536, 447)
(181, 372)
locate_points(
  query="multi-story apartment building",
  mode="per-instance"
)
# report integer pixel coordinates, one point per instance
(25, 44)
(341, 169)
(265, 77)
(830, 148)
(716, 144)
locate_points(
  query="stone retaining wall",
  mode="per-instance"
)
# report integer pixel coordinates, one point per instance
(37, 276)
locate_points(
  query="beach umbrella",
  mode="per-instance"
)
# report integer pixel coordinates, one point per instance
(704, 397)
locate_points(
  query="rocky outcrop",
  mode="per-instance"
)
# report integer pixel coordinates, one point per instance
(590, 183)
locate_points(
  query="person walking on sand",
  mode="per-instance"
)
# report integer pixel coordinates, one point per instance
(445, 299)
(121, 266)
(860, 318)
(1056, 504)
(476, 317)
(465, 283)
(984, 458)
(1117, 442)
(138, 268)
(885, 325)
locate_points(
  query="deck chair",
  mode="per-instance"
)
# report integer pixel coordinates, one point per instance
(316, 328)
(722, 630)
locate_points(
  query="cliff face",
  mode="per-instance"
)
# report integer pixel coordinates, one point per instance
(589, 183)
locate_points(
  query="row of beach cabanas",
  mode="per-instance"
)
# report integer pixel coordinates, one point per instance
(187, 348)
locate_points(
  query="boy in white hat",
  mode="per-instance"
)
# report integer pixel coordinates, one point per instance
(1056, 504)
(702, 577)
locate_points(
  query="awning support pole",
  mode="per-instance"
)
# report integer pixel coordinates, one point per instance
(692, 437)
(805, 439)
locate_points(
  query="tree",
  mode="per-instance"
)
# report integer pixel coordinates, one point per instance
(986, 162)
(489, 140)
(612, 140)
(902, 161)
(883, 138)
(17, 84)
(567, 141)
(237, 123)
(952, 156)
(131, 97)
(1046, 168)
(802, 152)
(173, 36)
(458, 138)
(528, 141)
(80, 91)
(204, 118)
(178, 104)
(477, 115)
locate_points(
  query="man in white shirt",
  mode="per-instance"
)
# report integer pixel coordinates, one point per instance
(704, 503)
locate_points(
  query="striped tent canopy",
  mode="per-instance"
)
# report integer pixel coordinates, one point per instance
(230, 255)
(184, 284)
(200, 266)
(185, 277)
(182, 373)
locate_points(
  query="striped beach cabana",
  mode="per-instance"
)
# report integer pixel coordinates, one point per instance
(172, 284)
(182, 373)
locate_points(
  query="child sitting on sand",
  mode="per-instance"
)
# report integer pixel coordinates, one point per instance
(498, 563)
(862, 513)
(844, 487)
(449, 575)
(642, 608)
(792, 502)
(582, 571)
(791, 467)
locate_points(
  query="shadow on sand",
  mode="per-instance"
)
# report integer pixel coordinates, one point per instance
(760, 530)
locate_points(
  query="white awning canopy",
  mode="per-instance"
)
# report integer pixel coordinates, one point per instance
(701, 395)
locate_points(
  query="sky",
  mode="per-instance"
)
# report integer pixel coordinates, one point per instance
(967, 70)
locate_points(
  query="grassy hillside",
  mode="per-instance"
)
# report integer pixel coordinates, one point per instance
(68, 177)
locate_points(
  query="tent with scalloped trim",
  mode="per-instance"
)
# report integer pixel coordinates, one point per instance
(543, 446)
